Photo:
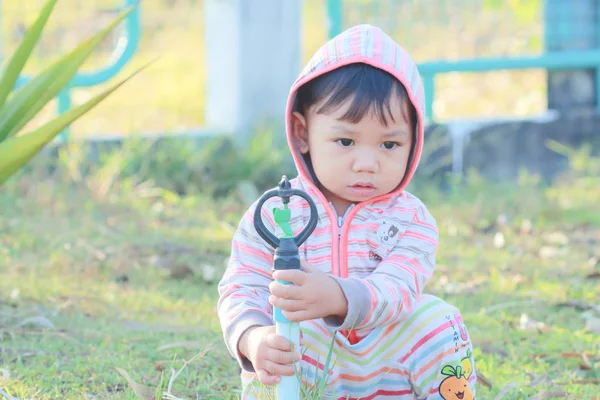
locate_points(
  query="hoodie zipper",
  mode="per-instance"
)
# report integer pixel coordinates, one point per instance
(340, 222)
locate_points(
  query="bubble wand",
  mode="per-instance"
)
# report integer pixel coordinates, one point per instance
(286, 257)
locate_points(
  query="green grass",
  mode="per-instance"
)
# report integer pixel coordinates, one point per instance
(112, 272)
(101, 304)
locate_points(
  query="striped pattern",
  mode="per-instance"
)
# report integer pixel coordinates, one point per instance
(399, 361)
(394, 340)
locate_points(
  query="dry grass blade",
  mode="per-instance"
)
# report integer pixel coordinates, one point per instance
(585, 363)
(483, 380)
(143, 392)
(41, 321)
(174, 374)
(86, 305)
(592, 321)
(13, 332)
(18, 354)
(566, 354)
(579, 305)
(491, 349)
(169, 396)
(537, 380)
(7, 396)
(593, 275)
(505, 390)
(158, 328)
(581, 382)
(513, 304)
(188, 345)
(547, 394)
(97, 253)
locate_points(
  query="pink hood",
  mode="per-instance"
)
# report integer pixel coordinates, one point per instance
(370, 45)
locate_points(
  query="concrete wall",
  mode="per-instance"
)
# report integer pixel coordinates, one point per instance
(499, 150)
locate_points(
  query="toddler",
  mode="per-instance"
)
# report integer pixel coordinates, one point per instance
(354, 125)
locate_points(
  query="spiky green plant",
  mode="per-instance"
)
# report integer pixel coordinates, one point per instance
(19, 106)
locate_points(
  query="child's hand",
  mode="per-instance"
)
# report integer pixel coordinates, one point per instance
(270, 354)
(313, 295)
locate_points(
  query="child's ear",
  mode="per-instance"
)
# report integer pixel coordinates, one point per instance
(300, 131)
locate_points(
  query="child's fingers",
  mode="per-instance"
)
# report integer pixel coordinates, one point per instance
(308, 267)
(282, 357)
(279, 342)
(285, 304)
(295, 276)
(278, 369)
(265, 378)
(285, 291)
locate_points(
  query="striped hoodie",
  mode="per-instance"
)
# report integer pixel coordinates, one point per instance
(381, 252)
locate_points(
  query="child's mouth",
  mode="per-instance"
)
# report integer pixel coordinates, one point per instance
(363, 189)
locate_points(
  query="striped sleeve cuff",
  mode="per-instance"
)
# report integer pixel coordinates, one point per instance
(359, 304)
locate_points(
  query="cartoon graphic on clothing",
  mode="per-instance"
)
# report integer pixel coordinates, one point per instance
(387, 234)
(455, 386)
(467, 364)
(461, 327)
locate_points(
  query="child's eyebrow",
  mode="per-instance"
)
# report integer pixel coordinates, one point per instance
(397, 132)
(344, 129)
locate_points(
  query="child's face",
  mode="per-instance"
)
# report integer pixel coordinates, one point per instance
(355, 162)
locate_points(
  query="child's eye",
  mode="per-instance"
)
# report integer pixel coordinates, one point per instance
(390, 145)
(345, 142)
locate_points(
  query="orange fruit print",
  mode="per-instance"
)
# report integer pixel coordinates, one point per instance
(455, 386)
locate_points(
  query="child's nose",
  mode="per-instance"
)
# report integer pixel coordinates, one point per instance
(366, 163)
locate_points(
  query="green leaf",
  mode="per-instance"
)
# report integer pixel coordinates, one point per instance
(16, 151)
(27, 102)
(459, 371)
(469, 354)
(24, 99)
(19, 59)
(449, 370)
(560, 148)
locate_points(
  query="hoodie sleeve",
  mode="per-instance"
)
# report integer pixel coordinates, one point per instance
(388, 295)
(244, 287)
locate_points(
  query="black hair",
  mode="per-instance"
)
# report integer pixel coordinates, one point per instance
(371, 87)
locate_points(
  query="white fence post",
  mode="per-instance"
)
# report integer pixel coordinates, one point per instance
(253, 55)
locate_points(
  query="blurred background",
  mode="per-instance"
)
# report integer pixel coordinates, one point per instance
(174, 89)
(484, 63)
(430, 30)
(113, 238)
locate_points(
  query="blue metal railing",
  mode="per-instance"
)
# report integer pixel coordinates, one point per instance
(562, 29)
